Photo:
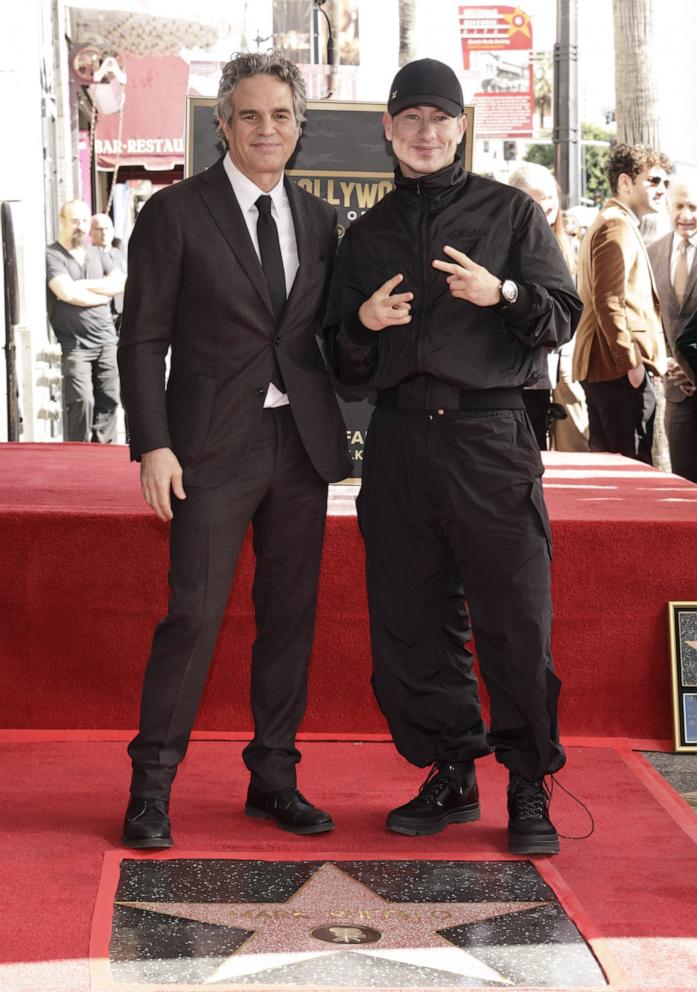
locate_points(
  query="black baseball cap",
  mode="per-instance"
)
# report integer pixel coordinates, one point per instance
(428, 83)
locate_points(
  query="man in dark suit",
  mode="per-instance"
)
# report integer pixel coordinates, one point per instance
(248, 430)
(675, 271)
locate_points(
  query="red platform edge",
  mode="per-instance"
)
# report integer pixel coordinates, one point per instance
(23, 735)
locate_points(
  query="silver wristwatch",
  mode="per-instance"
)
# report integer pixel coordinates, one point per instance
(508, 294)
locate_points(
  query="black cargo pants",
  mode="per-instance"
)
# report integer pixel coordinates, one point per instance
(451, 508)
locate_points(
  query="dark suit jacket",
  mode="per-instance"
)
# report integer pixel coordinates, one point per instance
(674, 316)
(195, 283)
(686, 345)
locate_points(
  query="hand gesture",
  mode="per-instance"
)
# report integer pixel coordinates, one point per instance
(382, 310)
(160, 471)
(469, 281)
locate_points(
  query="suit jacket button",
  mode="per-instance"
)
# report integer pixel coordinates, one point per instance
(277, 341)
(260, 391)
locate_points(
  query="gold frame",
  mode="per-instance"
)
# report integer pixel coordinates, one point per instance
(192, 102)
(679, 689)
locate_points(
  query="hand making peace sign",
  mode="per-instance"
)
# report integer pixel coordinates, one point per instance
(469, 281)
(382, 310)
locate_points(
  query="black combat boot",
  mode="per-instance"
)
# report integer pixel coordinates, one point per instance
(530, 831)
(449, 795)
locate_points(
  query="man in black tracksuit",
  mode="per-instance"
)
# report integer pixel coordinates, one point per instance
(446, 298)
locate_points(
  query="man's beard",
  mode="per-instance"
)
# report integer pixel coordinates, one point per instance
(78, 239)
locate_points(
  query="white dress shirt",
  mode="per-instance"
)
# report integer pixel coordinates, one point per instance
(247, 193)
(675, 251)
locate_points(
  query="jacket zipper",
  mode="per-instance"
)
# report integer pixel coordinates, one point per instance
(421, 246)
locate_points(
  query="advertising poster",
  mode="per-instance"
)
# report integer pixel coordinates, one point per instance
(498, 77)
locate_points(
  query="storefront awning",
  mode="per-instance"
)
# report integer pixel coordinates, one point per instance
(152, 134)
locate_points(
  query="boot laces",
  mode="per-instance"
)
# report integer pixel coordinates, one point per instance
(436, 780)
(531, 799)
(534, 798)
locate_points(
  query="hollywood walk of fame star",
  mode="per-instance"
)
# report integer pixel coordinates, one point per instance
(344, 914)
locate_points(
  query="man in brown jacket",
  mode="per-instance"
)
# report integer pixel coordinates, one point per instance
(619, 341)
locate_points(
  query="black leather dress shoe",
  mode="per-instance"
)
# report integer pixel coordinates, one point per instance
(289, 809)
(449, 795)
(147, 824)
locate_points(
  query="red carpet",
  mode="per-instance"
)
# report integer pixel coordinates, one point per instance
(83, 579)
(633, 880)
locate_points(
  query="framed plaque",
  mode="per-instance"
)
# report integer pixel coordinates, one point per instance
(342, 157)
(682, 621)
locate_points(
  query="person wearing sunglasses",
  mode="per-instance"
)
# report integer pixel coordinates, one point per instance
(620, 344)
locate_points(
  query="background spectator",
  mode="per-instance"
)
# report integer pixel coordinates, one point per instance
(673, 261)
(569, 433)
(102, 236)
(82, 280)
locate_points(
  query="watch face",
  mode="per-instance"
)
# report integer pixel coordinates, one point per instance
(509, 291)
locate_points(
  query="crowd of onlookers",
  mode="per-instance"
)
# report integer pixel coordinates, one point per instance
(638, 295)
(639, 292)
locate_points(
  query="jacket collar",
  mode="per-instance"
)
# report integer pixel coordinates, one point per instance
(436, 186)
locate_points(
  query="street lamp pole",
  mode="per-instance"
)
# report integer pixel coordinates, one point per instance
(566, 133)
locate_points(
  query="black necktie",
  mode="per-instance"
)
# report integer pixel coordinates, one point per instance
(272, 264)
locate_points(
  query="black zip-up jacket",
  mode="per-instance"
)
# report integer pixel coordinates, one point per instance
(451, 340)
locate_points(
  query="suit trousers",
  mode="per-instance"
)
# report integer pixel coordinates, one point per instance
(681, 429)
(621, 418)
(451, 508)
(277, 488)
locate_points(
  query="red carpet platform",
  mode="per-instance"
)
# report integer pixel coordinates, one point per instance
(83, 579)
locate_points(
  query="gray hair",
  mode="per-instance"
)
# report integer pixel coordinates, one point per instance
(243, 65)
(689, 182)
(532, 177)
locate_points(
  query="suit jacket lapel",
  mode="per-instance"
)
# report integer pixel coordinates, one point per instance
(631, 221)
(216, 193)
(662, 270)
(301, 223)
(691, 286)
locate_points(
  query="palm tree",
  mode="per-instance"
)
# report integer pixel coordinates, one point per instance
(635, 93)
(407, 27)
(637, 123)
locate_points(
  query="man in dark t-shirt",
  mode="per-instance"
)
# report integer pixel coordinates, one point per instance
(82, 281)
